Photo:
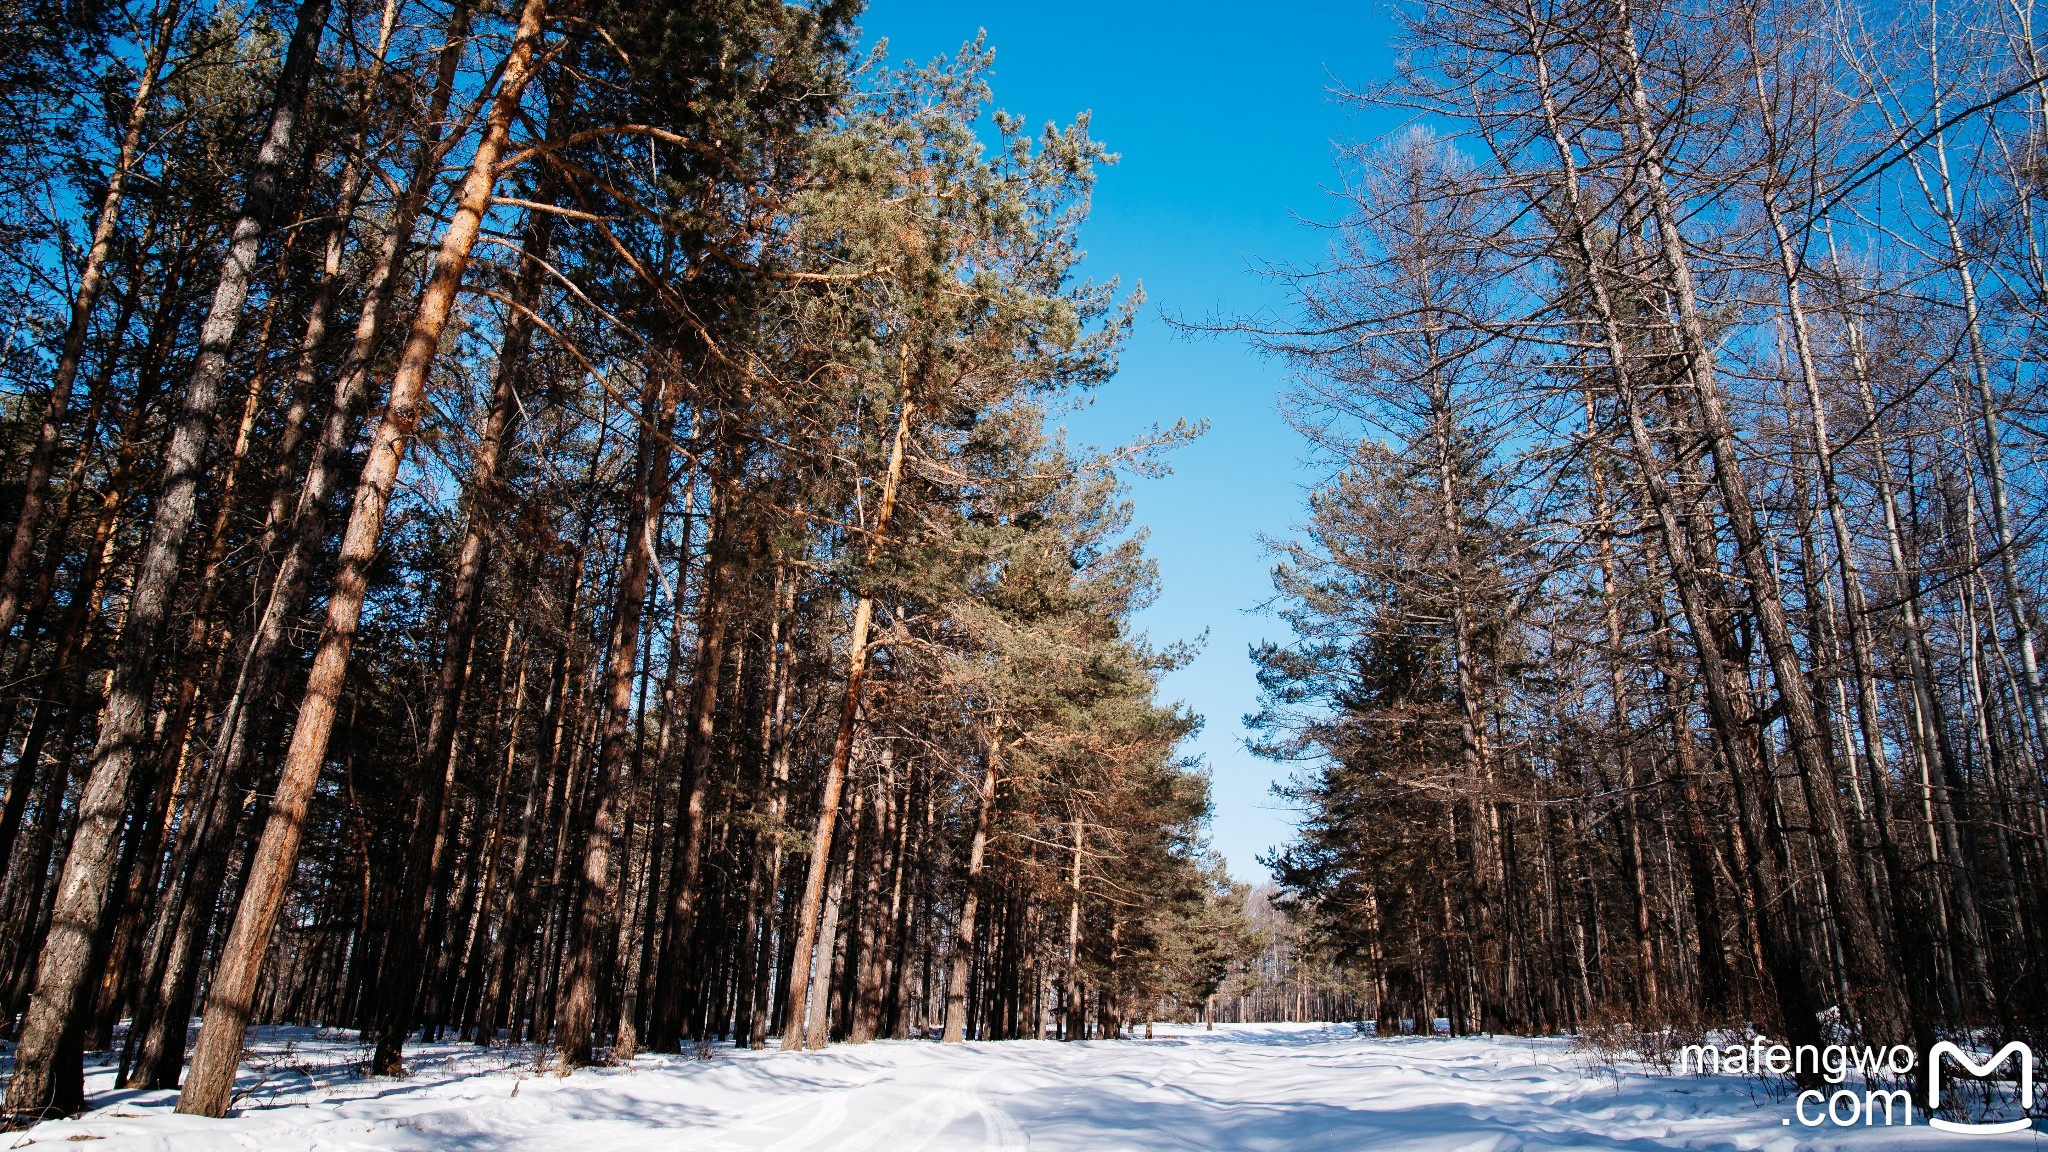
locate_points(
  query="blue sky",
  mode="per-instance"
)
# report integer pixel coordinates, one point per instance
(1224, 120)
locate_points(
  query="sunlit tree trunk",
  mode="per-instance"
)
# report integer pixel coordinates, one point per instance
(41, 1087)
(963, 934)
(798, 993)
(230, 996)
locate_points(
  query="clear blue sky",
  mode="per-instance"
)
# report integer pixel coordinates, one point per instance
(1223, 117)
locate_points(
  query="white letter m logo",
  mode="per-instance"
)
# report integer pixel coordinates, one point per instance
(2026, 1069)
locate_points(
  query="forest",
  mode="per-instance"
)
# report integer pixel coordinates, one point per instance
(549, 527)
(545, 521)
(1664, 627)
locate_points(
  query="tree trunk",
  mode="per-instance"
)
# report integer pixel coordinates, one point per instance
(399, 980)
(229, 1000)
(963, 937)
(1076, 1023)
(842, 751)
(41, 1087)
(576, 1017)
(92, 281)
(1870, 964)
(1726, 694)
(686, 865)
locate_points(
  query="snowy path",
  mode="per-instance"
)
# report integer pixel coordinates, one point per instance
(1283, 1088)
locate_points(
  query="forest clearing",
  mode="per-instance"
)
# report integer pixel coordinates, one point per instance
(1240, 1088)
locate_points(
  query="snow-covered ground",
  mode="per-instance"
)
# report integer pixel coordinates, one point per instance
(1285, 1088)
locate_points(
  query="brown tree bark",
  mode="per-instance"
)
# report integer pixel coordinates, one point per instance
(1075, 1022)
(831, 945)
(230, 997)
(576, 1016)
(686, 865)
(203, 848)
(1872, 968)
(758, 899)
(842, 750)
(397, 983)
(776, 749)
(41, 1086)
(963, 934)
(79, 608)
(881, 924)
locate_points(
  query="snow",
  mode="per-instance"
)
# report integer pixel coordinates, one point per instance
(1277, 1087)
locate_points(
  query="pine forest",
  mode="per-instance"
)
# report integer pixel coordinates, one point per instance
(556, 526)
(1667, 620)
(540, 521)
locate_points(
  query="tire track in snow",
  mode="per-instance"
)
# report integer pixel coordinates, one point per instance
(914, 1116)
(830, 1116)
(935, 1111)
(929, 1112)
(999, 1129)
(715, 1134)
(942, 1108)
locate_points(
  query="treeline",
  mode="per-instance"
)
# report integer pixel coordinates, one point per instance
(1279, 973)
(536, 521)
(1667, 624)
